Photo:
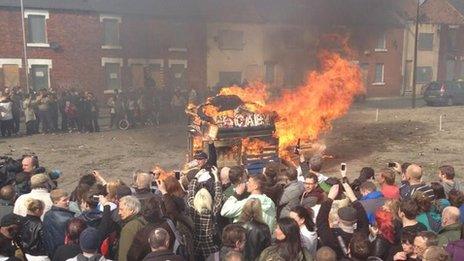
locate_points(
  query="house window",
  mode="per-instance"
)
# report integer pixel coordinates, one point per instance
(379, 74)
(230, 40)
(424, 74)
(425, 42)
(9, 73)
(110, 31)
(293, 39)
(230, 78)
(113, 76)
(453, 37)
(138, 77)
(381, 43)
(270, 72)
(39, 75)
(179, 39)
(36, 28)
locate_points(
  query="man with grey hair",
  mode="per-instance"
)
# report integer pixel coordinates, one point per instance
(130, 213)
(159, 244)
(142, 188)
(451, 227)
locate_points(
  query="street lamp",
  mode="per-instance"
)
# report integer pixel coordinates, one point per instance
(26, 65)
(414, 72)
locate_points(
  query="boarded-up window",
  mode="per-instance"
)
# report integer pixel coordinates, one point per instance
(379, 73)
(230, 40)
(425, 42)
(10, 75)
(230, 78)
(111, 32)
(424, 74)
(113, 76)
(137, 73)
(39, 76)
(155, 71)
(36, 29)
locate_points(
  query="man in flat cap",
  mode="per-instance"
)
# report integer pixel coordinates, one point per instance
(10, 225)
(350, 220)
(41, 185)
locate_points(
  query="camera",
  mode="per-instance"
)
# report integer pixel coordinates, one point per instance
(391, 164)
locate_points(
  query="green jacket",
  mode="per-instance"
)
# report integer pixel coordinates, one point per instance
(128, 231)
(272, 253)
(448, 234)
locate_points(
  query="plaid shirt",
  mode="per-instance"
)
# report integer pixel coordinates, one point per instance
(205, 229)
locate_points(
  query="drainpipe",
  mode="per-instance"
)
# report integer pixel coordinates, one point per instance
(26, 65)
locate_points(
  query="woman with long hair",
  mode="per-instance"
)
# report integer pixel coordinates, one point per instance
(203, 209)
(258, 235)
(304, 218)
(288, 243)
(384, 233)
(173, 198)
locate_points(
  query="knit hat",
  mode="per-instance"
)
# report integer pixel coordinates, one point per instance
(39, 179)
(347, 214)
(89, 240)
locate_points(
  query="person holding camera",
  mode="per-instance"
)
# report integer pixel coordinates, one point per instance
(350, 220)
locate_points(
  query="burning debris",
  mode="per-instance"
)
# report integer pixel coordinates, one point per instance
(303, 113)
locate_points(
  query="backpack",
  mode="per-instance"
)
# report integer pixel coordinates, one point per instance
(434, 220)
(109, 246)
(183, 231)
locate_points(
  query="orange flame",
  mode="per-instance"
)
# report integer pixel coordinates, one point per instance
(197, 143)
(309, 110)
(253, 146)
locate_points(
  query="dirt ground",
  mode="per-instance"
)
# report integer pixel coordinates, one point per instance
(400, 134)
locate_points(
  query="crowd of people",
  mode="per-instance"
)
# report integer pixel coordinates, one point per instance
(47, 111)
(289, 211)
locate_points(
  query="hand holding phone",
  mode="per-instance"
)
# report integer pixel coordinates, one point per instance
(343, 169)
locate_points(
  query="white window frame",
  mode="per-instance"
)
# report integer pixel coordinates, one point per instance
(383, 75)
(47, 62)
(11, 61)
(105, 60)
(380, 50)
(177, 61)
(145, 62)
(119, 20)
(44, 13)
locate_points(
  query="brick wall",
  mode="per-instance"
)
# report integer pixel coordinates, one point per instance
(80, 34)
(366, 41)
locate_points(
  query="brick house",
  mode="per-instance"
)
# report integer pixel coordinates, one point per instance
(92, 46)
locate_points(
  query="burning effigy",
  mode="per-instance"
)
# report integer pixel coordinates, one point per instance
(251, 124)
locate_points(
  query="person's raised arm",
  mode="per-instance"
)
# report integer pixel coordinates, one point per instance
(322, 220)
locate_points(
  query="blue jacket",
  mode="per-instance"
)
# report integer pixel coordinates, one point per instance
(54, 223)
(371, 202)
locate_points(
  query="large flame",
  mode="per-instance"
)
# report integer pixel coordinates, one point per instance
(308, 110)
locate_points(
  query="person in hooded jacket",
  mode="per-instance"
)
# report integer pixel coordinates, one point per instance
(292, 192)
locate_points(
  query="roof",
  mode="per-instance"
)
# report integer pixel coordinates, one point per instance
(186, 8)
(458, 4)
(324, 12)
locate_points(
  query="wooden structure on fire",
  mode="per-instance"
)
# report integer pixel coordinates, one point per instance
(242, 137)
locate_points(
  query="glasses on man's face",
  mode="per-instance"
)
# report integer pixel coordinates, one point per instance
(309, 183)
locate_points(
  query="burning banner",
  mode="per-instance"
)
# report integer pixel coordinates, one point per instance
(304, 112)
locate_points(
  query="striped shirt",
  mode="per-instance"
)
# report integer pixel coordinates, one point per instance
(407, 190)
